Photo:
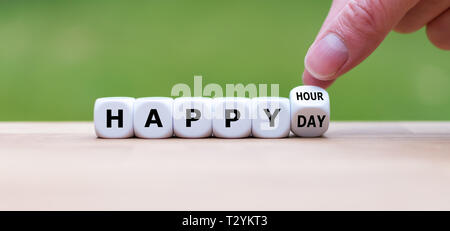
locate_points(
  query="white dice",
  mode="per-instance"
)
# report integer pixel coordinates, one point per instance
(113, 117)
(192, 117)
(306, 113)
(232, 117)
(270, 117)
(310, 111)
(153, 117)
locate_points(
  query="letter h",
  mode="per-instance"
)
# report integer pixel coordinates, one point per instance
(299, 96)
(110, 117)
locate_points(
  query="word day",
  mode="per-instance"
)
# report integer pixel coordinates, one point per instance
(306, 113)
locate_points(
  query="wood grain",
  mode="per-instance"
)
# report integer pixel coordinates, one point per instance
(356, 166)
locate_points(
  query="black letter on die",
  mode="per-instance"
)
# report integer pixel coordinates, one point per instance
(228, 119)
(301, 118)
(189, 117)
(321, 119)
(109, 118)
(150, 120)
(272, 117)
(320, 95)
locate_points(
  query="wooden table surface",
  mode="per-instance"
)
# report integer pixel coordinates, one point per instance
(356, 166)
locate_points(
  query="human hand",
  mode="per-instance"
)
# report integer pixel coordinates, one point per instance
(353, 29)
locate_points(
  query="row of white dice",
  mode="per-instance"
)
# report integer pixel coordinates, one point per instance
(307, 114)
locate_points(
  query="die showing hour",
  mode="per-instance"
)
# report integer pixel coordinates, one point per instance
(270, 117)
(153, 117)
(310, 111)
(192, 117)
(113, 117)
(231, 117)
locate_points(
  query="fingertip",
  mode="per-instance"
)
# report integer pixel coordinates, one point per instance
(437, 31)
(309, 79)
(404, 29)
(325, 57)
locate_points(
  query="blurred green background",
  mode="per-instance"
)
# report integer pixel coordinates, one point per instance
(57, 57)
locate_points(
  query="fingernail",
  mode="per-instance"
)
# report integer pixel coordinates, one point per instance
(326, 57)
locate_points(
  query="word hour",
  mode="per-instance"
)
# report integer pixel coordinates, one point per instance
(306, 113)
